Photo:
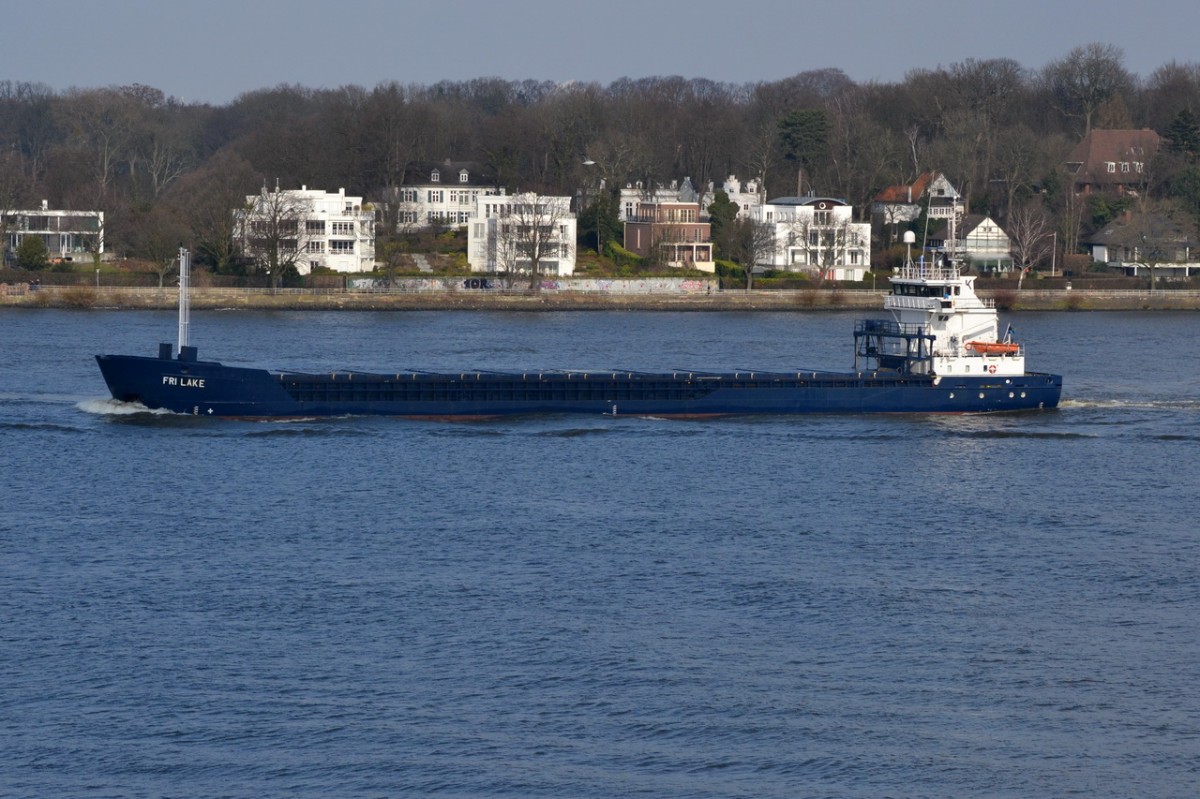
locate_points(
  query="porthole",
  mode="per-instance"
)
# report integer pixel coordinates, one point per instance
(951, 395)
(981, 395)
(1022, 395)
(1011, 395)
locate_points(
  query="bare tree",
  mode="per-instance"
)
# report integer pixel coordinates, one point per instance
(529, 233)
(825, 243)
(157, 235)
(762, 154)
(753, 244)
(864, 153)
(271, 228)
(13, 188)
(1031, 236)
(1158, 234)
(103, 123)
(208, 198)
(1071, 218)
(1087, 78)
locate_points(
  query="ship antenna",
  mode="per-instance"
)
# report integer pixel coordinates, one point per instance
(185, 315)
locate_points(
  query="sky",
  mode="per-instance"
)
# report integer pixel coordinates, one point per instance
(211, 51)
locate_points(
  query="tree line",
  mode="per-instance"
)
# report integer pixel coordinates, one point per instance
(166, 172)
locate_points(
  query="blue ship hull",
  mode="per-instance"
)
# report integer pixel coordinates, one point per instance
(208, 388)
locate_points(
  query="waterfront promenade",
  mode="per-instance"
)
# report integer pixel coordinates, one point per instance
(560, 300)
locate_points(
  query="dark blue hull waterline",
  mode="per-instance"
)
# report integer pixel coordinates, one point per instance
(208, 388)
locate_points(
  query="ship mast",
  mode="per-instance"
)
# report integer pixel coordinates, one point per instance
(185, 315)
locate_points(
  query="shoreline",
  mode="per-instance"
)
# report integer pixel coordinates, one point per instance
(123, 298)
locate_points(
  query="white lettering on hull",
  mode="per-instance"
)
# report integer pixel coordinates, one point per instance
(183, 382)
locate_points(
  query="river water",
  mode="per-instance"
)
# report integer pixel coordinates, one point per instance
(977, 606)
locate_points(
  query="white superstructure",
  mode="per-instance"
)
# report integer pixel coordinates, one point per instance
(943, 327)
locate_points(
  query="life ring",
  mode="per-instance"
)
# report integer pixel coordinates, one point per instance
(992, 369)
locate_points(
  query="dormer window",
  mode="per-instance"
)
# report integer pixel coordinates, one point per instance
(435, 177)
(1111, 166)
(463, 176)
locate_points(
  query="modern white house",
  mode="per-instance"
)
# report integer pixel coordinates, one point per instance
(507, 233)
(817, 235)
(442, 194)
(69, 235)
(323, 229)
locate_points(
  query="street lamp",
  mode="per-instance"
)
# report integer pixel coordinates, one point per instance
(599, 246)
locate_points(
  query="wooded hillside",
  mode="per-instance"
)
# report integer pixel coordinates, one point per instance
(162, 169)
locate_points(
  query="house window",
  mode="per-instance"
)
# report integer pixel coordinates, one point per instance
(341, 247)
(316, 246)
(462, 176)
(1111, 166)
(823, 217)
(342, 228)
(434, 196)
(408, 195)
(435, 177)
(1124, 166)
(315, 227)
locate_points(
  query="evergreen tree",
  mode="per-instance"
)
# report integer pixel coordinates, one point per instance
(722, 215)
(33, 254)
(804, 137)
(1183, 135)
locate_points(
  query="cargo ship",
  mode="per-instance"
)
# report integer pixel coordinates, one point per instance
(938, 349)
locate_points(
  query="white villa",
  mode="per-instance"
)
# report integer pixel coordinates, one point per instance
(745, 195)
(817, 235)
(901, 203)
(333, 231)
(505, 232)
(634, 195)
(442, 194)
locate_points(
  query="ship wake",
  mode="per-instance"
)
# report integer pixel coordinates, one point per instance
(112, 407)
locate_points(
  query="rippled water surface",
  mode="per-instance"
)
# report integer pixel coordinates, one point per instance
(989, 606)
